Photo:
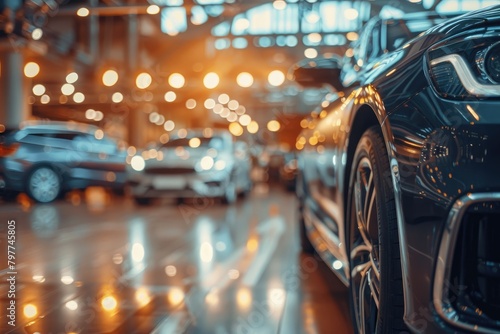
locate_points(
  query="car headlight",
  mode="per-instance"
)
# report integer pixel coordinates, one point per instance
(208, 163)
(467, 68)
(137, 162)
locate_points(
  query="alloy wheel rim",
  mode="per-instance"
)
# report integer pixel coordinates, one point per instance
(364, 255)
(44, 185)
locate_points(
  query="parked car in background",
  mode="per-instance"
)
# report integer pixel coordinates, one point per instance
(397, 180)
(46, 159)
(204, 163)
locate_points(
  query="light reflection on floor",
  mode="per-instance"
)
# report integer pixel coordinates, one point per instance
(95, 263)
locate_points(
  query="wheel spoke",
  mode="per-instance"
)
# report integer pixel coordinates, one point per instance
(369, 197)
(365, 272)
(374, 286)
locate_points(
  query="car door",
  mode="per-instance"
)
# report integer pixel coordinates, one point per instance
(99, 158)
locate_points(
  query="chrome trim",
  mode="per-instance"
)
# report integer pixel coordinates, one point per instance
(445, 260)
(405, 258)
(466, 76)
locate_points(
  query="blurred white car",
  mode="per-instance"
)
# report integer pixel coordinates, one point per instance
(197, 165)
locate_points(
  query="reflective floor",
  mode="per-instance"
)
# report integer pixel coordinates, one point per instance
(95, 263)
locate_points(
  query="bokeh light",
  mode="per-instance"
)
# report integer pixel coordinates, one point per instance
(276, 78)
(110, 78)
(244, 79)
(211, 80)
(143, 80)
(273, 125)
(31, 69)
(176, 80)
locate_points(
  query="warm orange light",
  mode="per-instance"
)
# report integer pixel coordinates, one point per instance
(153, 9)
(39, 89)
(30, 311)
(236, 129)
(253, 127)
(72, 77)
(211, 80)
(31, 69)
(83, 12)
(244, 79)
(109, 303)
(110, 78)
(170, 96)
(276, 78)
(273, 126)
(143, 80)
(176, 80)
(310, 53)
(245, 120)
(175, 296)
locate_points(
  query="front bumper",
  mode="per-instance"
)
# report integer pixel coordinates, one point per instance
(208, 184)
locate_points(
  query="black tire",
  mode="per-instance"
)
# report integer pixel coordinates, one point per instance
(8, 195)
(142, 201)
(43, 184)
(305, 243)
(375, 289)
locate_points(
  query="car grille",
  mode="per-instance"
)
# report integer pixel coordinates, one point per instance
(169, 171)
(474, 283)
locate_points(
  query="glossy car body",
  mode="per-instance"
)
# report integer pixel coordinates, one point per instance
(59, 157)
(201, 164)
(433, 102)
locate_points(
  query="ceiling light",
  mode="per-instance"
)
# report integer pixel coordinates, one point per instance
(72, 77)
(153, 9)
(211, 80)
(244, 79)
(83, 12)
(110, 78)
(176, 80)
(31, 69)
(143, 80)
(276, 78)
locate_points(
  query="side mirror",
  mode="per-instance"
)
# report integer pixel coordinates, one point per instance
(318, 72)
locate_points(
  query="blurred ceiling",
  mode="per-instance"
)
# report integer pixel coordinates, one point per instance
(144, 42)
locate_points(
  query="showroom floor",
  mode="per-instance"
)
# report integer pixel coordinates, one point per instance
(92, 263)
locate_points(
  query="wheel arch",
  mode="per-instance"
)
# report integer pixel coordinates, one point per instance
(364, 119)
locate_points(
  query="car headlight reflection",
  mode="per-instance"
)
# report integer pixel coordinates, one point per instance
(138, 163)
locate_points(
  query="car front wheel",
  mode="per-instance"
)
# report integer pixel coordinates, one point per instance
(376, 294)
(44, 184)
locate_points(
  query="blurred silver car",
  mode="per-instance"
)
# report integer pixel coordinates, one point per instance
(197, 165)
(47, 159)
